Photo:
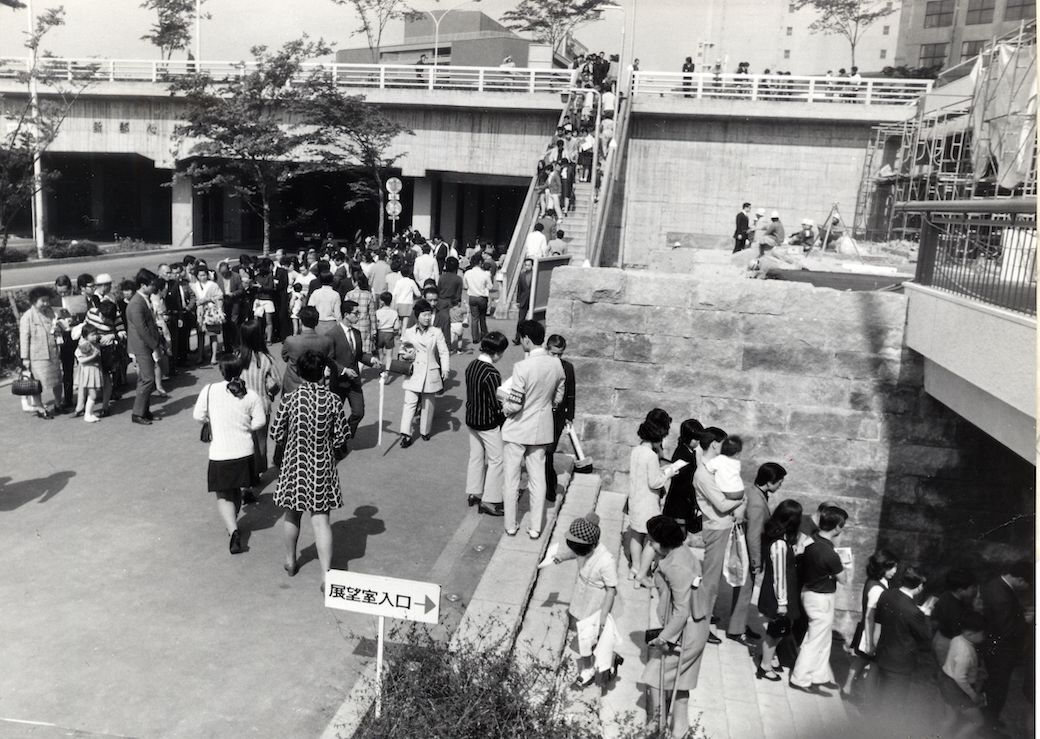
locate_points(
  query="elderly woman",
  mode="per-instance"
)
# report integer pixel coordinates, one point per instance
(674, 659)
(37, 332)
(311, 429)
(233, 412)
(426, 346)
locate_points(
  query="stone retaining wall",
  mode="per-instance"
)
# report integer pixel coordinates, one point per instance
(813, 378)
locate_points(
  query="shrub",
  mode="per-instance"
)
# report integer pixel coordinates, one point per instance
(67, 249)
(9, 327)
(10, 256)
(125, 243)
(431, 690)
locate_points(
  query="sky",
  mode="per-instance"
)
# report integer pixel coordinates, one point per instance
(112, 28)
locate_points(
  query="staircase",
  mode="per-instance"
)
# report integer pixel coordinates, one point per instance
(576, 225)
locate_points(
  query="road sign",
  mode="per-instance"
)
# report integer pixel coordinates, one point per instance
(393, 185)
(393, 209)
(383, 596)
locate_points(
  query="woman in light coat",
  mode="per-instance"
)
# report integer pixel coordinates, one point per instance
(426, 346)
(37, 331)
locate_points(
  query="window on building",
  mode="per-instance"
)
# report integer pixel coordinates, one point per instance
(124, 126)
(98, 128)
(790, 8)
(790, 30)
(885, 30)
(970, 49)
(787, 53)
(1017, 10)
(933, 55)
(884, 53)
(980, 11)
(938, 13)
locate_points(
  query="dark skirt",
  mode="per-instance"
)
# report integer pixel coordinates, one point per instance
(230, 474)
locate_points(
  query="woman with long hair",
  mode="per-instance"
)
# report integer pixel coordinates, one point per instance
(881, 569)
(233, 412)
(778, 600)
(312, 429)
(260, 376)
(681, 502)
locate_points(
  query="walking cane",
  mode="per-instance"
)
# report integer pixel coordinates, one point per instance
(662, 721)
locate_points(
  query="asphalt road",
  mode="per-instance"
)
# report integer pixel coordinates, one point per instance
(123, 267)
(124, 614)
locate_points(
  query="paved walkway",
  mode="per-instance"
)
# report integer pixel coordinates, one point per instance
(123, 613)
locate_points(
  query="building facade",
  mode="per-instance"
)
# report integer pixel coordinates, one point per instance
(943, 33)
(775, 35)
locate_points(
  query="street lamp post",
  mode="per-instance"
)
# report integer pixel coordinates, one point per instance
(437, 27)
(198, 32)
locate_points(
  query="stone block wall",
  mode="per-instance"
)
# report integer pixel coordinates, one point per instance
(689, 175)
(816, 379)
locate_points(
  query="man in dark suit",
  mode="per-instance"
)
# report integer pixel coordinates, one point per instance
(307, 340)
(347, 353)
(142, 340)
(282, 324)
(562, 414)
(740, 231)
(1006, 632)
(180, 305)
(905, 630)
(230, 283)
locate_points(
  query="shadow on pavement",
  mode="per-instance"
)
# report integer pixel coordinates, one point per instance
(14, 495)
(350, 537)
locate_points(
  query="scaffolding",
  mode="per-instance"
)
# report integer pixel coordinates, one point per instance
(978, 141)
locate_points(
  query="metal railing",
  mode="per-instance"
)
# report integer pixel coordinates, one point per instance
(779, 88)
(379, 76)
(605, 203)
(984, 250)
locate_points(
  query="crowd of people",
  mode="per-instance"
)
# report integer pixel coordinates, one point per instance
(845, 86)
(766, 572)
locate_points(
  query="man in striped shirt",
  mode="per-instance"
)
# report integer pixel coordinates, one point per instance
(484, 421)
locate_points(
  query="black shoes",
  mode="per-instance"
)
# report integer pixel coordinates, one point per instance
(406, 441)
(425, 437)
(811, 690)
(472, 500)
(492, 509)
(235, 545)
(712, 639)
(769, 675)
(742, 639)
(141, 420)
(751, 634)
(249, 498)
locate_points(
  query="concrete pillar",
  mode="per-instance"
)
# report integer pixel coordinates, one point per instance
(97, 193)
(182, 212)
(448, 210)
(232, 219)
(422, 206)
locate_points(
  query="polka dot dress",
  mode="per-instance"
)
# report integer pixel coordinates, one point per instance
(311, 425)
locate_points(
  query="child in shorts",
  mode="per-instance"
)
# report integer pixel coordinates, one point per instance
(458, 319)
(388, 324)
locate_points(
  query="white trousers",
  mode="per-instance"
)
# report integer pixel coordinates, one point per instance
(411, 400)
(813, 666)
(533, 458)
(484, 473)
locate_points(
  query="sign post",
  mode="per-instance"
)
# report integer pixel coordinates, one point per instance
(411, 600)
(393, 207)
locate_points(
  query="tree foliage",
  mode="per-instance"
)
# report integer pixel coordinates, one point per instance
(373, 17)
(358, 136)
(27, 130)
(172, 29)
(846, 18)
(552, 21)
(248, 133)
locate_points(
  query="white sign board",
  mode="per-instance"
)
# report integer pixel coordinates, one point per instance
(393, 209)
(383, 596)
(393, 185)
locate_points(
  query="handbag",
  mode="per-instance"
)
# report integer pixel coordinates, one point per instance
(401, 367)
(206, 434)
(26, 384)
(779, 627)
(736, 563)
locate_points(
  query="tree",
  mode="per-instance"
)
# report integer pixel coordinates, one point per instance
(848, 18)
(552, 21)
(358, 135)
(172, 30)
(29, 130)
(373, 17)
(248, 133)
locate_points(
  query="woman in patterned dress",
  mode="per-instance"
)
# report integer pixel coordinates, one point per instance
(311, 428)
(362, 295)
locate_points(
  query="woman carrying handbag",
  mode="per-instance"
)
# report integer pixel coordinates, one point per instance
(429, 371)
(778, 600)
(37, 331)
(674, 654)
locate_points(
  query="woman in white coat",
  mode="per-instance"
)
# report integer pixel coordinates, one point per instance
(426, 346)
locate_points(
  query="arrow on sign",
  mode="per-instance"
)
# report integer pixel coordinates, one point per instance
(430, 605)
